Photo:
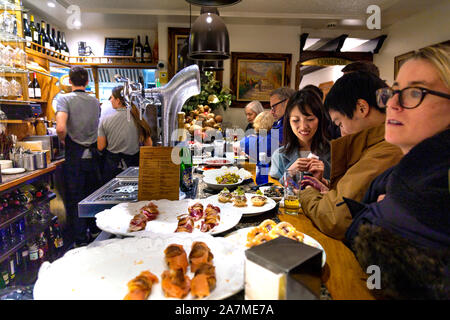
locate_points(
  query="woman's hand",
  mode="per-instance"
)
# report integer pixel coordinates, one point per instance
(301, 164)
(316, 167)
(381, 197)
(315, 183)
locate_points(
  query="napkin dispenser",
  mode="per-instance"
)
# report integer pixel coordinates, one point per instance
(283, 269)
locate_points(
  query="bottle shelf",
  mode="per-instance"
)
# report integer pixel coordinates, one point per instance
(10, 218)
(32, 231)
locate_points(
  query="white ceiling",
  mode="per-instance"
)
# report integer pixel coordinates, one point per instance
(309, 14)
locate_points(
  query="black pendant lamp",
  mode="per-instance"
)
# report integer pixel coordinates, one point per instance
(213, 3)
(208, 39)
(210, 65)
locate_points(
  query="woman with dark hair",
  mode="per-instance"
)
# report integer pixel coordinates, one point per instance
(305, 137)
(121, 139)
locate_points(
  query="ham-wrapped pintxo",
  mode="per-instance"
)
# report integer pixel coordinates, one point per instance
(150, 211)
(176, 257)
(211, 219)
(175, 283)
(146, 213)
(204, 280)
(196, 211)
(200, 254)
(185, 223)
(140, 287)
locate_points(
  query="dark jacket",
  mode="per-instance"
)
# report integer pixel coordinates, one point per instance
(409, 231)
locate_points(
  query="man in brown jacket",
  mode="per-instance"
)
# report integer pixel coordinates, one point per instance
(359, 156)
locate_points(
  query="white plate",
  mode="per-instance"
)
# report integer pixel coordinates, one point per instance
(117, 219)
(239, 237)
(209, 177)
(217, 162)
(102, 270)
(249, 210)
(13, 170)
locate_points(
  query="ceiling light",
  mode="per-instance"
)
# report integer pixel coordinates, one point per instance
(352, 22)
(77, 23)
(208, 39)
(213, 3)
(51, 4)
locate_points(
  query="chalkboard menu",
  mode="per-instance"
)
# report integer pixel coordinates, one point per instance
(119, 47)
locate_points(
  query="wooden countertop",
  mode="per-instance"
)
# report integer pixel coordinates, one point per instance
(9, 181)
(342, 274)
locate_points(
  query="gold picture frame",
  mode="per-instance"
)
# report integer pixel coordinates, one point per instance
(255, 75)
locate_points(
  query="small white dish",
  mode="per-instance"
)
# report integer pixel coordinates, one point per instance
(13, 170)
(5, 164)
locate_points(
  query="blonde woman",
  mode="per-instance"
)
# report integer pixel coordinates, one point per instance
(251, 111)
(403, 225)
(261, 139)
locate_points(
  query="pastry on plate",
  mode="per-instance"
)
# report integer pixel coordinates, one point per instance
(259, 199)
(225, 196)
(239, 198)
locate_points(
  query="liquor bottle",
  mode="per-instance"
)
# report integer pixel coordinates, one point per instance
(31, 94)
(45, 40)
(36, 87)
(34, 31)
(138, 50)
(33, 251)
(186, 181)
(147, 51)
(12, 269)
(58, 240)
(4, 276)
(50, 39)
(43, 247)
(25, 259)
(55, 41)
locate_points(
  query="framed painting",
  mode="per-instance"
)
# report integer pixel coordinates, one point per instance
(178, 50)
(255, 75)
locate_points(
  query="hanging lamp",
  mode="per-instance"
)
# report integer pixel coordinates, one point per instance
(213, 3)
(208, 39)
(210, 65)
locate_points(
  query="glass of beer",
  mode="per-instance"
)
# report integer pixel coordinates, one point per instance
(292, 179)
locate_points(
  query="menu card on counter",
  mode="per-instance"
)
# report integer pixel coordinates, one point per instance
(158, 175)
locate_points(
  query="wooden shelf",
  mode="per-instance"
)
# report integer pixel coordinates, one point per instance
(15, 180)
(57, 57)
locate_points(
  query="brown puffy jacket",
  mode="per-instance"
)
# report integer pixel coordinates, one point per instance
(356, 160)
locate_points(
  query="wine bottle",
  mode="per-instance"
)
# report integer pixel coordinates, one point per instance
(31, 94)
(138, 50)
(66, 48)
(26, 31)
(50, 39)
(37, 87)
(34, 31)
(43, 39)
(61, 46)
(147, 51)
(57, 48)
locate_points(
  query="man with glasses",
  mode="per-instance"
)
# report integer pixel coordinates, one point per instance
(278, 101)
(358, 157)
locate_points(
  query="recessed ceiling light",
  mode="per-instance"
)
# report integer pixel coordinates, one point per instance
(77, 23)
(352, 22)
(51, 4)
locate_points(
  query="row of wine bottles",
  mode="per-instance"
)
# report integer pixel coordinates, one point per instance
(45, 36)
(142, 53)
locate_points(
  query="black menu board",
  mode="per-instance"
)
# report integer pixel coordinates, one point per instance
(119, 47)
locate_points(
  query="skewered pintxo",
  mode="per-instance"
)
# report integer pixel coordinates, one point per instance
(185, 223)
(239, 198)
(175, 283)
(196, 211)
(140, 287)
(211, 218)
(199, 255)
(204, 280)
(146, 213)
(225, 196)
(176, 257)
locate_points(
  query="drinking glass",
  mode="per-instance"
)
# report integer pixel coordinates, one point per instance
(291, 181)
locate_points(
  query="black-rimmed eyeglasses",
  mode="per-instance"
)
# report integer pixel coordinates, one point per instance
(279, 102)
(409, 98)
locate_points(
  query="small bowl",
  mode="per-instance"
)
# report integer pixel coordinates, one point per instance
(5, 164)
